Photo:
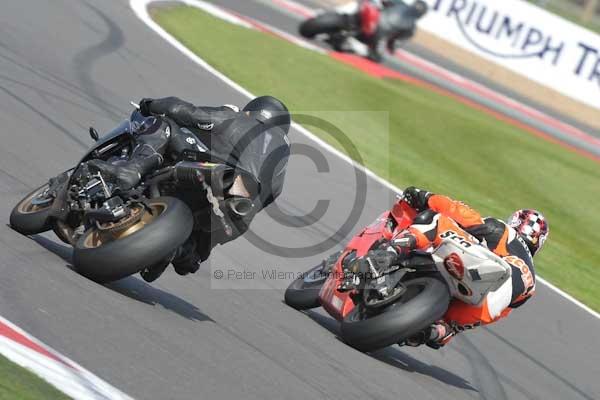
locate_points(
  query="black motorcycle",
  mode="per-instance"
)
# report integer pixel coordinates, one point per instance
(367, 29)
(114, 232)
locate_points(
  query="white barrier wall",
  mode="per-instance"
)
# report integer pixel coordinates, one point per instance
(525, 39)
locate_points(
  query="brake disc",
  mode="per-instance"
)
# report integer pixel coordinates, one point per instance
(397, 293)
(133, 218)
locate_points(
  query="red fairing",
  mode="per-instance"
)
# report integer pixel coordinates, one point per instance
(369, 18)
(339, 304)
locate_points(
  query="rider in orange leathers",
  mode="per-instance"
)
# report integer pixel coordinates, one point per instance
(516, 241)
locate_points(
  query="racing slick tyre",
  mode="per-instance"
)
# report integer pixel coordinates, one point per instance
(324, 23)
(424, 302)
(106, 255)
(31, 215)
(303, 293)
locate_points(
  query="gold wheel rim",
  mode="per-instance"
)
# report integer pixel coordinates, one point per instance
(25, 207)
(95, 238)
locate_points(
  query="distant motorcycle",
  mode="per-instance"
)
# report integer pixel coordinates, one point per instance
(115, 232)
(390, 304)
(368, 27)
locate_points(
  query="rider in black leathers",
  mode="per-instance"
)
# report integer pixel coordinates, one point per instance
(253, 141)
(398, 21)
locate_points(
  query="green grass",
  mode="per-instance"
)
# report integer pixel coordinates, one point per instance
(571, 12)
(434, 141)
(17, 383)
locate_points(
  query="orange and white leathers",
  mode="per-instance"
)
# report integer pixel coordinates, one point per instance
(447, 215)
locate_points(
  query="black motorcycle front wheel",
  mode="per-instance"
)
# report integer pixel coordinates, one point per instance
(31, 215)
(425, 301)
(303, 293)
(109, 253)
(325, 23)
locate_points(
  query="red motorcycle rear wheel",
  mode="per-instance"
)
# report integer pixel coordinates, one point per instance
(425, 301)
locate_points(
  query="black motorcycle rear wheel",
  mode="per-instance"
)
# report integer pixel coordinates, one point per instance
(325, 23)
(29, 218)
(425, 301)
(109, 256)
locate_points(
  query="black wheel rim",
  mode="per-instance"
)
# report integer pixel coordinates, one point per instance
(412, 291)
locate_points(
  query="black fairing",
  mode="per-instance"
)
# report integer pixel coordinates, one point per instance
(120, 134)
(123, 135)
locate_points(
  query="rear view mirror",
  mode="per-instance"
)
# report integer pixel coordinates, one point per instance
(94, 134)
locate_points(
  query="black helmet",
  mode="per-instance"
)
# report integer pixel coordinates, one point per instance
(268, 109)
(420, 8)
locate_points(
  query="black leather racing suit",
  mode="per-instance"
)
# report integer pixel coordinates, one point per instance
(258, 152)
(398, 21)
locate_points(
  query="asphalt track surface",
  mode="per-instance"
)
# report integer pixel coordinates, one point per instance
(66, 64)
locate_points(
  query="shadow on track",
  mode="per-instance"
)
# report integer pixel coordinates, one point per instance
(398, 359)
(139, 290)
(64, 252)
(325, 321)
(134, 288)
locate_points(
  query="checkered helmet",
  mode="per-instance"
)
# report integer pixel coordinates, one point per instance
(532, 226)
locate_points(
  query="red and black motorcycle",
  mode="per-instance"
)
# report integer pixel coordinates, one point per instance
(392, 304)
(366, 27)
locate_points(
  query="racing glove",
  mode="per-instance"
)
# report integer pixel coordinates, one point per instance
(391, 45)
(380, 259)
(417, 198)
(404, 243)
(145, 107)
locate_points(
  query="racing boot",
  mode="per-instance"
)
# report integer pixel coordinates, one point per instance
(435, 336)
(340, 43)
(440, 335)
(126, 174)
(153, 272)
(187, 260)
(376, 47)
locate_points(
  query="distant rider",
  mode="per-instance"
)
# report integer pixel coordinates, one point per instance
(397, 21)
